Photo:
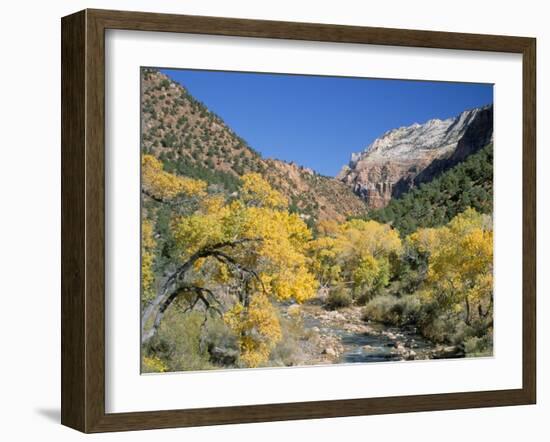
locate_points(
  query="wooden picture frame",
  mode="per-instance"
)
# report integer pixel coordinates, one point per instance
(83, 220)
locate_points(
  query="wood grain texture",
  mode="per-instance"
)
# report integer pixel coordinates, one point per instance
(83, 220)
(144, 21)
(95, 222)
(529, 221)
(73, 253)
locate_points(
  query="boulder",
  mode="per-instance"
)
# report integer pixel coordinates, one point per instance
(330, 351)
(223, 355)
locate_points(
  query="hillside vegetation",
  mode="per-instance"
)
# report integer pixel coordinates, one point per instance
(468, 184)
(192, 141)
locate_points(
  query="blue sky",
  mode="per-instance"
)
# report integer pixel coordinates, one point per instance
(319, 121)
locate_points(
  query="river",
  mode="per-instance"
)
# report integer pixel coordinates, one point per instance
(343, 337)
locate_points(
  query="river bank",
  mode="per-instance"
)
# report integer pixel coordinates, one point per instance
(341, 336)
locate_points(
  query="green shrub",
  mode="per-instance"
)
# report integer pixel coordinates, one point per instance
(479, 346)
(382, 309)
(338, 297)
(221, 344)
(177, 343)
(394, 310)
(441, 328)
(287, 352)
(433, 323)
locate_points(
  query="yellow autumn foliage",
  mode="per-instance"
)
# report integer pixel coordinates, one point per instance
(258, 328)
(368, 268)
(148, 245)
(256, 191)
(357, 238)
(428, 239)
(153, 364)
(275, 250)
(256, 233)
(460, 272)
(164, 185)
(355, 253)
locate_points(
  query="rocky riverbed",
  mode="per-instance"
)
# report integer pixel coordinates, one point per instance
(341, 336)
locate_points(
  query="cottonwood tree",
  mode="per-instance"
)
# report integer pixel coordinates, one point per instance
(248, 251)
(355, 254)
(460, 264)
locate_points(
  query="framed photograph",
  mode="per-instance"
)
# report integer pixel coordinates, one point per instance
(269, 220)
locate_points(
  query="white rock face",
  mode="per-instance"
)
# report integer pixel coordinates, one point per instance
(418, 140)
(390, 164)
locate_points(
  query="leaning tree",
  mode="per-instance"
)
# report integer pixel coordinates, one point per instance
(248, 248)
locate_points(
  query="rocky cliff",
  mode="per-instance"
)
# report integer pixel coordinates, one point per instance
(405, 157)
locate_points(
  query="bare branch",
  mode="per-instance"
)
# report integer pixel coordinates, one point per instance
(226, 259)
(153, 197)
(171, 289)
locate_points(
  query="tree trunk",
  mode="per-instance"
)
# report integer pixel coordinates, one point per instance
(170, 288)
(467, 320)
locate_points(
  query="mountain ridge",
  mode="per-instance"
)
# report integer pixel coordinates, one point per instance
(404, 157)
(191, 140)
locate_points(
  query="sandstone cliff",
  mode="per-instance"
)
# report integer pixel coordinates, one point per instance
(405, 157)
